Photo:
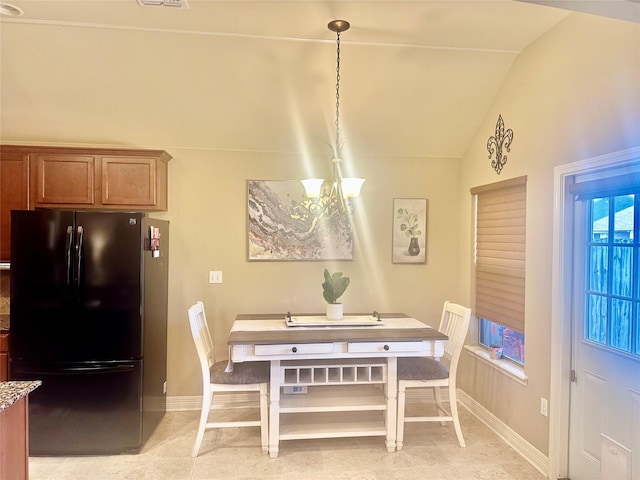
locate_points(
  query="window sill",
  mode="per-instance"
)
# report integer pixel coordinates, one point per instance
(511, 370)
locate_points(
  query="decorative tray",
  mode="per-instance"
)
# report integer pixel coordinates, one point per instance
(322, 321)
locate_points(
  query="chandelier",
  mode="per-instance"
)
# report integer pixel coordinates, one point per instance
(333, 195)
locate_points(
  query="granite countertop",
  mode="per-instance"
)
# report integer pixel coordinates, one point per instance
(11, 392)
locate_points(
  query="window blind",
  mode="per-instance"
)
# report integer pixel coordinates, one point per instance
(500, 251)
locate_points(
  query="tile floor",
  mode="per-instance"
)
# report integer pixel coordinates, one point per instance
(430, 452)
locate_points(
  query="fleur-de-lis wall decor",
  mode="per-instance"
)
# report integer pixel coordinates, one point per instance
(502, 139)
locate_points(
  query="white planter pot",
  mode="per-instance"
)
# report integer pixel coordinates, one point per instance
(335, 311)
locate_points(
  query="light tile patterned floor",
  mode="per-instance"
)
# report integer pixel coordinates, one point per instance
(430, 452)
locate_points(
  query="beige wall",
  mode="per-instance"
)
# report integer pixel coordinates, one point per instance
(207, 211)
(573, 94)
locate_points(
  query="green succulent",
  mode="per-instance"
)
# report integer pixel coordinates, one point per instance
(334, 286)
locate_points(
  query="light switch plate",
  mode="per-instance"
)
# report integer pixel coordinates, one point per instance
(215, 276)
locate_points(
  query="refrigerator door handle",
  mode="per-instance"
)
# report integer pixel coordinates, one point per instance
(102, 369)
(67, 249)
(79, 369)
(79, 240)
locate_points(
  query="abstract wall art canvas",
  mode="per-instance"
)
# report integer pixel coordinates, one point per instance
(285, 225)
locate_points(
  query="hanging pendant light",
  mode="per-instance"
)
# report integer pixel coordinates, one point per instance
(339, 186)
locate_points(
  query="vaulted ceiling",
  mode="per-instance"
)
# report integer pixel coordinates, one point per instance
(417, 77)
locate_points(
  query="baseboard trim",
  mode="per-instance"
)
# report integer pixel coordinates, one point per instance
(194, 402)
(535, 457)
(182, 403)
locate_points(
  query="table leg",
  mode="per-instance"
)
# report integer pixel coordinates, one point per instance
(392, 402)
(274, 409)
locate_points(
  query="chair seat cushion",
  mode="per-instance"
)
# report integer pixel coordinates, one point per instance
(421, 368)
(242, 374)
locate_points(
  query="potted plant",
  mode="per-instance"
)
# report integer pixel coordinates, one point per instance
(495, 352)
(410, 228)
(333, 287)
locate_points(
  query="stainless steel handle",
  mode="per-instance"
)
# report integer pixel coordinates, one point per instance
(67, 249)
(79, 240)
(66, 370)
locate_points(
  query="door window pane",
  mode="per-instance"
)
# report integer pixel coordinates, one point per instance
(599, 220)
(596, 330)
(637, 330)
(623, 227)
(598, 268)
(612, 296)
(622, 271)
(621, 325)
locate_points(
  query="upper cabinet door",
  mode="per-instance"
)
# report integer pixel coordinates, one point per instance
(65, 179)
(129, 181)
(14, 194)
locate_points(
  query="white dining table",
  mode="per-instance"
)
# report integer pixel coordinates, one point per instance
(332, 379)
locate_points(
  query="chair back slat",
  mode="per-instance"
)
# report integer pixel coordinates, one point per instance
(455, 324)
(201, 336)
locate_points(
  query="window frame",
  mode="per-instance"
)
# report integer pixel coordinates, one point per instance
(488, 347)
(500, 251)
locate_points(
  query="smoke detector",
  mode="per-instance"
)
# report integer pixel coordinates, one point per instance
(164, 3)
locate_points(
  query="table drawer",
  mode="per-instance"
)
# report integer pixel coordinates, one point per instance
(293, 349)
(384, 347)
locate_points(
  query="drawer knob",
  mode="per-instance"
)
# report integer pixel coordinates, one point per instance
(386, 347)
(294, 349)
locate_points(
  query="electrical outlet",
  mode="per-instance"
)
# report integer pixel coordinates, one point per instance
(164, 387)
(544, 407)
(215, 276)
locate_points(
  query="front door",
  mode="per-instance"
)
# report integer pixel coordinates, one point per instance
(605, 393)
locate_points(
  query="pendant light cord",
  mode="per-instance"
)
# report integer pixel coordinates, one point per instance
(337, 151)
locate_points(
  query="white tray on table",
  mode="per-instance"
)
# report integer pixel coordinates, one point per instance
(322, 321)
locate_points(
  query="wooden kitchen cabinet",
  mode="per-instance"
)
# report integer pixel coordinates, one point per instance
(78, 178)
(14, 440)
(82, 178)
(14, 193)
(64, 179)
(99, 178)
(14, 429)
(4, 357)
(133, 181)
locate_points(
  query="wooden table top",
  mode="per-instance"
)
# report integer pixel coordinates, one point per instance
(330, 334)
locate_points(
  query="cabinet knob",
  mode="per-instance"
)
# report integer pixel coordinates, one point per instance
(386, 347)
(294, 349)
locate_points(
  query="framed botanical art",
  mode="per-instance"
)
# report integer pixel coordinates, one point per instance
(409, 240)
(285, 225)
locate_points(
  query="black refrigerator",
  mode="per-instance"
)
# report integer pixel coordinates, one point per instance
(89, 318)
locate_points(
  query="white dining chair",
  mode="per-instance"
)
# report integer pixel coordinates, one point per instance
(421, 372)
(245, 377)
